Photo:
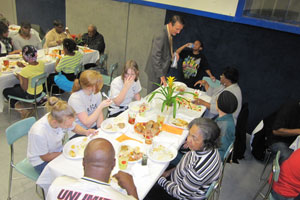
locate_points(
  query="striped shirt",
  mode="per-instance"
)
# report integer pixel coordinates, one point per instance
(68, 64)
(193, 175)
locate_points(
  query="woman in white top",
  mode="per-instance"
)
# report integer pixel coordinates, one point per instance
(46, 135)
(86, 99)
(125, 88)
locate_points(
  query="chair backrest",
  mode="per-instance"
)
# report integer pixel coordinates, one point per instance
(78, 69)
(18, 129)
(212, 188)
(227, 153)
(276, 167)
(211, 83)
(39, 80)
(112, 69)
(103, 59)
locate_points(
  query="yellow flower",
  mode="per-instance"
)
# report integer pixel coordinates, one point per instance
(170, 81)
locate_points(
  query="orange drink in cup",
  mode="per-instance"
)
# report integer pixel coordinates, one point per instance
(6, 63)
(131, 117)
(148, 137)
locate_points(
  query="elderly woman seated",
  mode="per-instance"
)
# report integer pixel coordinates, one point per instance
(198, 168)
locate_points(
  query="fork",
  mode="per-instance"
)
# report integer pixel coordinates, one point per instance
(105, 95)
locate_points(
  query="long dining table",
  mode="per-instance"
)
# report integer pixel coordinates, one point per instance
(144, 176)
(8, 79)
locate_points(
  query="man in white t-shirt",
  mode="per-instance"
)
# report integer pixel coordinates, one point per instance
(98, 162)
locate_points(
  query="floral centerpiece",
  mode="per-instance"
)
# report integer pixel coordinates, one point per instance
(171, 98)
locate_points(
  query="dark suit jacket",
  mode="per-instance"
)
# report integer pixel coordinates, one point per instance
(160, 57)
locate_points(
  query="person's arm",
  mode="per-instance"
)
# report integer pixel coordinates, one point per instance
(81, 131)
(183, 47)
(126, 182)
(96, 116)
(50, 40)
(210, 75)
(127, 85)
(50, 156)
(137, 96)
(285, 132)
(202, 83)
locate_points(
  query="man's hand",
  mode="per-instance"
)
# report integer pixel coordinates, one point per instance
(163, 81)
(58, 42)
(125, 181)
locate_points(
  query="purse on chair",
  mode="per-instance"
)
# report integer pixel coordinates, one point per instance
(63, 83)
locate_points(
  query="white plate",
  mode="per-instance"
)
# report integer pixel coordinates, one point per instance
(179, 84)
(170, 120)
(135, 105)
(166, 154)
(14, 56)
(132, 144)
(77, 145)
(113, 123)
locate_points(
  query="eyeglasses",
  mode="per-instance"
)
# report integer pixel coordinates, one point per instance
(129, 74)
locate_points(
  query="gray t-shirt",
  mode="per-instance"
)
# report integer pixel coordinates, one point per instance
(81, 102)
(19, 42)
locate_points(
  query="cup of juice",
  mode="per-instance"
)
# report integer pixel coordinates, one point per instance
(160, 119)
(148, 137)
(6, 63)
(131, 117)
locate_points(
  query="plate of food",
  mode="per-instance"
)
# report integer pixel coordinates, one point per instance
(113, 125)
(179, 86)
(7, 70)
(143, 127)
(131, 149)
(139, 106)
(181, 121)
(162, 153)
(74, 149)
(14, 56)
(188, 103)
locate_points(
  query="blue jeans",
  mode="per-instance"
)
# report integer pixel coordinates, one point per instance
(284, 149)
(40, 168)
(277, 196)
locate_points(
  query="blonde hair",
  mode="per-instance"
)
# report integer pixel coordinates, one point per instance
(131, 64)
(88, 78)
(59, 110)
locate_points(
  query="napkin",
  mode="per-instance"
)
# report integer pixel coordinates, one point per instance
(172, 129)
(124, 137)
(139, 171)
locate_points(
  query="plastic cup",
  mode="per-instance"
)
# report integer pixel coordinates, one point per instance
(46, 51)
(148, 137)
(131, 117)
(123, 162)
(160, 119)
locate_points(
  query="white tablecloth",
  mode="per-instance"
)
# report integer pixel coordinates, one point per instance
(9, 79)
(144, 182)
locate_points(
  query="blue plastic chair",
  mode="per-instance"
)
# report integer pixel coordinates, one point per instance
(35, 82)
(275, 176)
(13, 133)
(108, 78)
(210, 194)
(211, 83)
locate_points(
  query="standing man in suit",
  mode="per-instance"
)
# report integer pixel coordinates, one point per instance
(161, 54)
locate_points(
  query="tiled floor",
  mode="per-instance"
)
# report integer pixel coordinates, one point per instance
(240, 180)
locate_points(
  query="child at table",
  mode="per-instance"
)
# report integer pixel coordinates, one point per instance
(24, 89)
(68, 64)
(86, 99)
(46, 135)
(125, 88)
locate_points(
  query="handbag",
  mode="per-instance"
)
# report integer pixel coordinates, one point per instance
(63, 83)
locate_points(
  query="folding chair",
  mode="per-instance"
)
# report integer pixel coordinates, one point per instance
(13, 133)
(275, 176)
(108, 78)
(210, 194)
(35, 82)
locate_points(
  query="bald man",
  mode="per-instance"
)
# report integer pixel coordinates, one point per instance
(93, 39)
(98, 162)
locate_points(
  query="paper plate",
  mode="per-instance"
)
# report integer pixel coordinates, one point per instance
(181, 121)
(112, 125)
(74, 149)
(135, 106)
(132, 145)
(162, 153)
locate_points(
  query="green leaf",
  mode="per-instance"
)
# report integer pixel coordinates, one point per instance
(174, 108)
(152, 96)
(163, 106)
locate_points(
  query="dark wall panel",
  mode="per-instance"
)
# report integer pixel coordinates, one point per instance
(268, 60)
(41, 12)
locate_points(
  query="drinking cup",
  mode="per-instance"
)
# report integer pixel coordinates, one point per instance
(131, 117)
(123, 162)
